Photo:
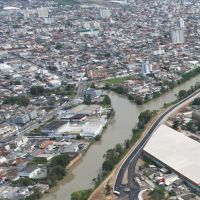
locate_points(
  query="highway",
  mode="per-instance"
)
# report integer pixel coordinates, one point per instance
(134, 155)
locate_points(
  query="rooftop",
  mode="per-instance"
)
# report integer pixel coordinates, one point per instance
(177, 151)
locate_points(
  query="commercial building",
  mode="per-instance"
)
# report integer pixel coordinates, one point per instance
(178, 152)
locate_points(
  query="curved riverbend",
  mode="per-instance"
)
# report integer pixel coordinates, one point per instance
(119, 129)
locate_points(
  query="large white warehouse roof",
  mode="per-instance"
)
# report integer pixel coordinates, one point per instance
(177, 151)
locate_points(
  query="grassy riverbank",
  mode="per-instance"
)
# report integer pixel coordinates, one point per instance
(116, 85)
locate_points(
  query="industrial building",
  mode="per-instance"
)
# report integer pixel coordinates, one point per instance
(172, 149)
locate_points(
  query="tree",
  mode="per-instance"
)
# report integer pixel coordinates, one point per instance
(52, 101)
(37, 90)
(92, 85)
(144, 117)
(58, 46)
(17, 82)
(119, 149)
(25, 181)
(53, 68)
(37, 161)
(106, 100)
(120, 90)
(107, 165)
(21, 100)
(130, 97)
(162, 90)
(36, 195)
(157, 194)
(98, 138)
(81, 195)
(156, 94)
(107, 86)
(175, 124)
(196, 101)
(182, 94)
(127, 143)
(87, 99)
(107, 189)
(190, 126)
(61, 160)
(59, 171)
(138, 100)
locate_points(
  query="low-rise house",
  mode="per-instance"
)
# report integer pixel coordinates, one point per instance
(45, 144)
(6, 129)
(17, 193)
(70, 147)
(45, 156)
(21, 141)
(30, 171)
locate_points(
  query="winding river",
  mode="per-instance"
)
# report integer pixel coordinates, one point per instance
(119, 128)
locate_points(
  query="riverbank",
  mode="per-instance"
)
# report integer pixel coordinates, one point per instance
(119, 128)
(99, 192)
(120, 86)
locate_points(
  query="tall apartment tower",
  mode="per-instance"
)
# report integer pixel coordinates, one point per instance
(177, 36)
(146, 68)
(180, 23)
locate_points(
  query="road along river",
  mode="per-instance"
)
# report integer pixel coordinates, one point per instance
(119, 128)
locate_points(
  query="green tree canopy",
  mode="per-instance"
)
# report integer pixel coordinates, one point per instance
(21, 100)
(144, 117)
(87, 99)
(182, 94)
(61, 160)
(37, 90)
(157, 194)
(81, 195)
(196, 101)
(106, 100)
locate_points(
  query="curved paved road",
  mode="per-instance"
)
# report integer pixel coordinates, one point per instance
(132, 158)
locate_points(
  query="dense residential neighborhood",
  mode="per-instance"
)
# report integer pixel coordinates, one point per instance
(59, 61)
